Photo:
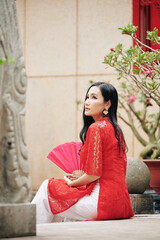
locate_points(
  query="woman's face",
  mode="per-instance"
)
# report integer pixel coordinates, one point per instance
(94, 103)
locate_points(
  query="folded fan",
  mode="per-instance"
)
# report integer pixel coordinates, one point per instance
(66, 156)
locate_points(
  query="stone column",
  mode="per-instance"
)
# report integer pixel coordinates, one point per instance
(17, 218)
(15, 184)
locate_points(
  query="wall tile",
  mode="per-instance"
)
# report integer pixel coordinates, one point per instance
(50, 37)
(98, 22)
(50, 121)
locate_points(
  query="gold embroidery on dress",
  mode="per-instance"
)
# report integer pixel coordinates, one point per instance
(96, 150)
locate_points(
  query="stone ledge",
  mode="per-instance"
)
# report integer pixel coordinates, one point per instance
(142, 203)
(17, 220)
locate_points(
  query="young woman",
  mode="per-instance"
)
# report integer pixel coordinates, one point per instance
(99, 192)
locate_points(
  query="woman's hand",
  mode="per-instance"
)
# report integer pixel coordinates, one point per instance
(67, 180)
(83, 180)
(75, 175)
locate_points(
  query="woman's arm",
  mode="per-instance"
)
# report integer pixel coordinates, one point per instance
(83, 180)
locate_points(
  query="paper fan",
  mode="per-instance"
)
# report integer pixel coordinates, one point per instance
(66, 156)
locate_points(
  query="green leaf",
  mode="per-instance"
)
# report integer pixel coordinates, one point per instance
(3, 60)
(129, 29)
(142, 99)
(153, 35)
(139, 113)
(78, 102)
(153, 115)
(91, 82)
(154, 84)
(123, 85)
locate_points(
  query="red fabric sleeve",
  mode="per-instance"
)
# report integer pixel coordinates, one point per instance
(93, 163)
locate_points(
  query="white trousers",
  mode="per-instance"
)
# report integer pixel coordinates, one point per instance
(84, 209)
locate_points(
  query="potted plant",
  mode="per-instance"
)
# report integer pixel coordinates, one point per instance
(139, 76)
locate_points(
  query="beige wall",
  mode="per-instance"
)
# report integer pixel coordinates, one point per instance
(64, 44)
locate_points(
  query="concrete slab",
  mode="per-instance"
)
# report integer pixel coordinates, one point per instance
(17, 220)
(142, 203)
(140, 227)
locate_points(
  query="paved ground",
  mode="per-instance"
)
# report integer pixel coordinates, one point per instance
(141, 227)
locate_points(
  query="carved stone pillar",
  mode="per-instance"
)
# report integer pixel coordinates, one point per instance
(15, 184)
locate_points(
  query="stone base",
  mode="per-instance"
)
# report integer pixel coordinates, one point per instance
(17, 220)
(142, 203)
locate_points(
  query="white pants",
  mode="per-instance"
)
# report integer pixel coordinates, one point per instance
(84, 209)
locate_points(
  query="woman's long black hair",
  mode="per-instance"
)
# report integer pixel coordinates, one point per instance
(109, 93)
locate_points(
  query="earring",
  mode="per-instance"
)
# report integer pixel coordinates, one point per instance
(105, 111)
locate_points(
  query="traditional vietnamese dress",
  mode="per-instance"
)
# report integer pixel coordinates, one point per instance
(104, 199)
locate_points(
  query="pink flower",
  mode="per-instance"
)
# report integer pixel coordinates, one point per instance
(148, 73)
(125, 94)
(132, 99)
(104, 58)
(112, 49)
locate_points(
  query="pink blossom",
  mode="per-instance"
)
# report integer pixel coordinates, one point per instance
(104, 58)
(132, 99)
(112, 49)
(148, 73)
(125, 94)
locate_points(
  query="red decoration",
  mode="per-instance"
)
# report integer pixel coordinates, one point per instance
(145, 2)
(146, 15)
(156, 3)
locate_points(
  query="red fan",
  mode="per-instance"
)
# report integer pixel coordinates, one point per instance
(66, 156)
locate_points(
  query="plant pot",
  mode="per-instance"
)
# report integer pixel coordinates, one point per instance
(154, 168)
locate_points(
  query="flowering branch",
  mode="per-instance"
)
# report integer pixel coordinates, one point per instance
(141, 89)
